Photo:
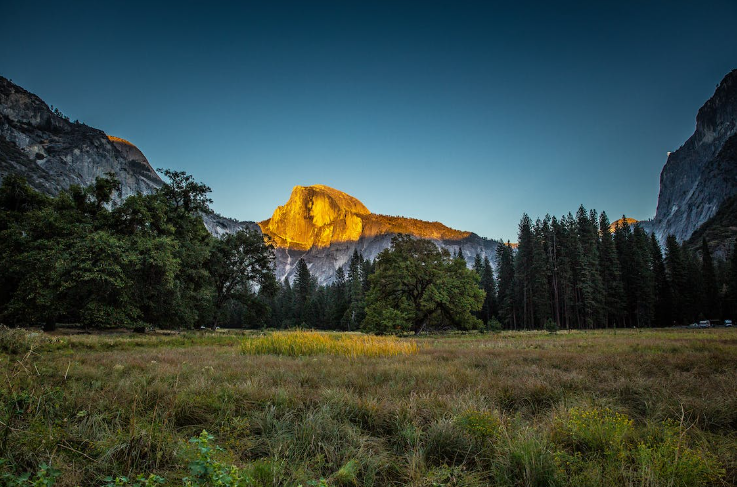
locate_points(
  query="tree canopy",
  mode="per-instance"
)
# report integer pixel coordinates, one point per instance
(417, 285)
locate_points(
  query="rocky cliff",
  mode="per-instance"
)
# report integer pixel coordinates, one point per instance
(324, 226)
(54, 153)
(701, 174)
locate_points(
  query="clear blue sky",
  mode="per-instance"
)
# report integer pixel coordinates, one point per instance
(463, 112)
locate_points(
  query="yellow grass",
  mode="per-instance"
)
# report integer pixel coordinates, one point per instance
(299, 343)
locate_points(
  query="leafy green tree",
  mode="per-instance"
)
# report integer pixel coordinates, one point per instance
(416, 284)
(238, 263)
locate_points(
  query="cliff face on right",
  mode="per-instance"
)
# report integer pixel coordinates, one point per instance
(702, 174)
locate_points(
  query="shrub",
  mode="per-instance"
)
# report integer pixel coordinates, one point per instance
(593, 431)
(495, 325)
(299, 343)
(551, 326)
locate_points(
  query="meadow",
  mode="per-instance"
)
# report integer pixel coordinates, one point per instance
(626, 407)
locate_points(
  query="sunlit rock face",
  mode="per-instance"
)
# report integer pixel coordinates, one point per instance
(702, 173)
(315, 216)
(54, 153)
(324, 226)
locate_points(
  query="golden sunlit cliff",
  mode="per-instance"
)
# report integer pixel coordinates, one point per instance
(318, 216)
(621, 222)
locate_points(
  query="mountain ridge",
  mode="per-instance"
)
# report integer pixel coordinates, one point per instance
(698, 177)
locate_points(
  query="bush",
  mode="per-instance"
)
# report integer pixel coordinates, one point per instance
(495, 325)
(551, 326)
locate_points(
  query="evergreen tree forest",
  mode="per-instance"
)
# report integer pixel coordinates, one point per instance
(576, 273)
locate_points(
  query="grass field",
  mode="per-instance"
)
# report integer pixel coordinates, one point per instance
(640, 408)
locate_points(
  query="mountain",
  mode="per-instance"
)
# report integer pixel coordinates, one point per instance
(54, 153)
(319, 223)
(720, 231)
(324, 226)
(702, 174)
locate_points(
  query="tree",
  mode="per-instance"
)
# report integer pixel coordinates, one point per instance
(239, 262)
(611, 274)
(676, 269)
(663, 302)
(303, 290)
(185, 193)
(487, 283)
(708, 275)
(417, 285)
(506, 294)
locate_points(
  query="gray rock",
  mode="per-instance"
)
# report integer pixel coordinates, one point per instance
(702, 173)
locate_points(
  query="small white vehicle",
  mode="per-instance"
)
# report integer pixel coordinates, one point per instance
(704, 324)
(727, 322)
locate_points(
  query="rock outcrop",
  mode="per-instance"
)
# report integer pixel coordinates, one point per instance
(324, 226)
(54, 153)
(701, 174)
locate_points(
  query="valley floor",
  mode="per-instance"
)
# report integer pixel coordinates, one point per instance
(650, 407)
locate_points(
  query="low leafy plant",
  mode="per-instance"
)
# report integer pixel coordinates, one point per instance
(593, 431)
(206, 470)
(670, 461)
(140, 481)
(45, 476)
(482, 425)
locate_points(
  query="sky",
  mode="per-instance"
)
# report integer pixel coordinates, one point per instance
(467, 113)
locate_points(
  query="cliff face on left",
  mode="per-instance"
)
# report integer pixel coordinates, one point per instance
(54, 153)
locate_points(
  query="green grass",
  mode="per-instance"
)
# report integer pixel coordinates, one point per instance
(644, 408)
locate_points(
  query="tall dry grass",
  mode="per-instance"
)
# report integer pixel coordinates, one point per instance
(306, 343)
(508, 409)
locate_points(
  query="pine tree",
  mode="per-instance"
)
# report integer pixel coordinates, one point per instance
(590, 285)
(611, 275)
(644, 282)
(675, 266)
(663, 300)
(730, 297)
(524, 269)
(488, 284)
(506, 287)
(708, 276)
(303, 287)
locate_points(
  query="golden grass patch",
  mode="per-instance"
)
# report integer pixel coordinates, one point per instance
(300, 343)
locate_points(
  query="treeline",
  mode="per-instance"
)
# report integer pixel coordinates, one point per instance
(80, 258)
(574, 272)
(336, 306)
